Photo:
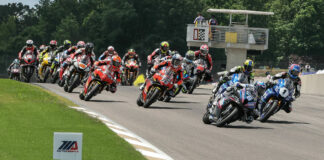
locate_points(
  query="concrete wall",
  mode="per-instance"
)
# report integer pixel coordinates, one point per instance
(313, 84)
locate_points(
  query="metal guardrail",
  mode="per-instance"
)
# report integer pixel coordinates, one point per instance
(227, 34)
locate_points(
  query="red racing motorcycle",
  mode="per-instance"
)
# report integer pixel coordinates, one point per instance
(27, 66)
(101, 78)
(157, 87)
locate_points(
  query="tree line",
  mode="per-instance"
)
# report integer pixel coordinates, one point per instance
(296, 28)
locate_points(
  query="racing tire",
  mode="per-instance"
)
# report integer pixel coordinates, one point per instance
(227, 119)
(139, 100)
(151, 98)
(269, 112)
(206, 119)
(75, 82)
(92, 92)
(193, 86)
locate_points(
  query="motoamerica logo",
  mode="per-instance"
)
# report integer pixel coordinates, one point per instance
(68, 146)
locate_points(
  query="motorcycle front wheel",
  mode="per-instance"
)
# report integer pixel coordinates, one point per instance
(226, 115)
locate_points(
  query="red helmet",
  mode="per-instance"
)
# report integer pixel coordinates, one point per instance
(53, 43)
(204, 49)
(81, 44)
(116, 61)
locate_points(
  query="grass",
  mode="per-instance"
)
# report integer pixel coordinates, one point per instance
(29, 116)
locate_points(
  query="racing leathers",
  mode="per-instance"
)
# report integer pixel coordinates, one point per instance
(178, 72)
(157, 53)
(283, 75)
(106, 55)
(208, 59)
(33, 49)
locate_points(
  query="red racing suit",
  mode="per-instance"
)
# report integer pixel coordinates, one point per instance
(106, 54)
(177, 71)
(209, 61)
(25, 49)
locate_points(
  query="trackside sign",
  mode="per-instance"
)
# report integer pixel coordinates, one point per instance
(67, 146)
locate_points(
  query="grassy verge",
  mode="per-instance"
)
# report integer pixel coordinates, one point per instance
(30, 115)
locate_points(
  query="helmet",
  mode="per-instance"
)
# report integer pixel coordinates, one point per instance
(110, 49)
(164, 46)
(294, 71)
(248, 66)
(190, 55)
(204, 49)
(53, 43)
(260, 87)
(67, 43)
(131, 51)
(89, 47)
(29, 43)
(116, 61)
(80, 44)
(42, 47)
(176, 60)
(16, 61)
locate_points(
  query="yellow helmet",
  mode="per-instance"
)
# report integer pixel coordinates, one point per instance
(164, 46)
(248, 65)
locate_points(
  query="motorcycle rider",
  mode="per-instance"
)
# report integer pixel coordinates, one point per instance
(188, 61)
(68, 52)
(247, 75)
(175, 64)
(129, 55)
(15, 62)
(114, 65)
(293, 74)
(51, 48)
(158, 53)
(108, 53)
(203, 53)
(66, 45)
(29, 47)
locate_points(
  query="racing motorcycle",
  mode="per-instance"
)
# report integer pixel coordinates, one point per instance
(199, 74)
(101, 78)
(58, 60)
(27, 66)
(131, 71)
(47, 62)
(78, 69)
(14, 72)
(232, 105)
(281, 96)
(157, 88)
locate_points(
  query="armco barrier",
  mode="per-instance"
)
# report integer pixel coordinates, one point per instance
(313, 84)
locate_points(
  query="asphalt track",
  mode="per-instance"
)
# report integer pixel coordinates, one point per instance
(177, 129)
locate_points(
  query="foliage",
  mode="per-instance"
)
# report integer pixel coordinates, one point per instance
(296, 27)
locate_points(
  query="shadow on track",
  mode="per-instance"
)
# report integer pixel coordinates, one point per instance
(156, 107)
(99, 100)
(285, 122)
(201, 93)
(180, 102)
(245, 127)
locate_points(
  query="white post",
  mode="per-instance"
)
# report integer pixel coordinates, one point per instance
(234, 57)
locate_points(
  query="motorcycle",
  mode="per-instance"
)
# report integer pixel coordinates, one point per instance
(281, 95)
(232, 105)
(57, 66)
(131, 71)
(157, 87)
(101, 78)
(46, 63)
(199, 74)
(27, 66)
(78, 69)
(15, 72)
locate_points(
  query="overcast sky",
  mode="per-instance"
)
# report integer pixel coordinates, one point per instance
(27, 2)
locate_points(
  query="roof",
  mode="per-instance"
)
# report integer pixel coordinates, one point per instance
(233, 11)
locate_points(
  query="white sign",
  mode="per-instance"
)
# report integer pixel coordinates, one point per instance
(67, 146)
(197, 34)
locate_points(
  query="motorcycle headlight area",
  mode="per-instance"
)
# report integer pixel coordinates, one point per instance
(283, 92)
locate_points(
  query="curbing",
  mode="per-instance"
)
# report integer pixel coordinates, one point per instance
(144, 147)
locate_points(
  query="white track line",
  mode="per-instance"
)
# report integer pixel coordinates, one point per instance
(139, 143)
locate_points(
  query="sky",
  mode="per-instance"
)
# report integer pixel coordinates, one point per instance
(26, 2)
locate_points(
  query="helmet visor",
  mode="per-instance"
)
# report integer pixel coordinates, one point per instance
(248, 68)
(165, 48)
(294, 73)
(176, 62)
(115, 63)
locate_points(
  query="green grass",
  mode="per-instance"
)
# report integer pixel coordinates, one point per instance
(29, 116)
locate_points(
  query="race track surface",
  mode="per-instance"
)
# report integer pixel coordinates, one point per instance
(177, 128)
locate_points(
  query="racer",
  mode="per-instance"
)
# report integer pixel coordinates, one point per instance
(158, 53)
(108, 53)
(29, 47)
(203, 53)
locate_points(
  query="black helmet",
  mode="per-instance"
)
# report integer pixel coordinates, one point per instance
(89, 47)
